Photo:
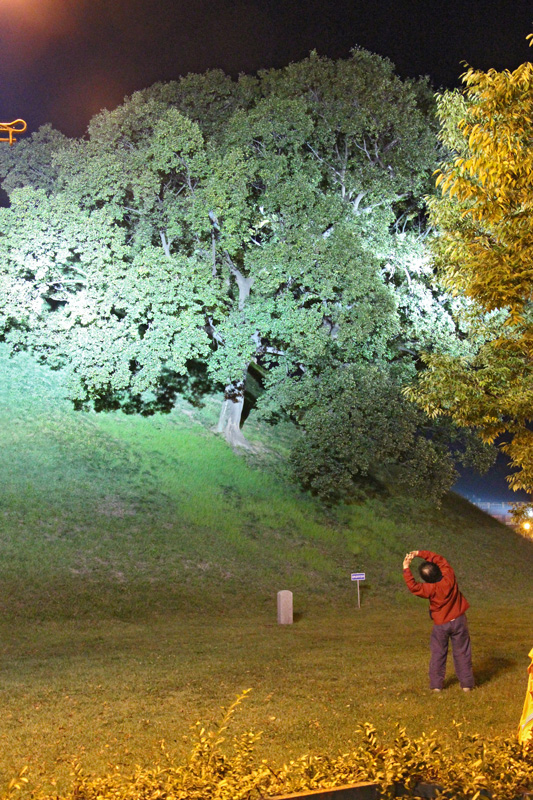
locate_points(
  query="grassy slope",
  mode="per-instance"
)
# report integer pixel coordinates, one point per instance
(160, 514)
(115, 532)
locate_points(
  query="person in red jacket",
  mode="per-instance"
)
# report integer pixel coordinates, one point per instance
(447, 608)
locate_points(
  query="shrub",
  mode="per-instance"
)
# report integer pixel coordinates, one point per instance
(498, 768)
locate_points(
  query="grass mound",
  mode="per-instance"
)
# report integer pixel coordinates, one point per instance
(115, 515)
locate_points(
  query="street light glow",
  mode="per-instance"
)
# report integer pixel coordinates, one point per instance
(47, 18)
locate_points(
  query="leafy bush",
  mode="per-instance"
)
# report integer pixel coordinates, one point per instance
(497, 768)
(358, 433)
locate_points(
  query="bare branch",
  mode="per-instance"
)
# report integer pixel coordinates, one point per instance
(211, 331)
(357, 202)
(165, 243)
(244, 284)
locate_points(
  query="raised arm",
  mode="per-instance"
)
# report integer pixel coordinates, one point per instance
(409, 557)
(420, 589)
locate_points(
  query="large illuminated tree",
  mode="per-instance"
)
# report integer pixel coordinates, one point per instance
(485, 252)
(269, 224)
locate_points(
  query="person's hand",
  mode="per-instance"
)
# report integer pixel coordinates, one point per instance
(408, 558)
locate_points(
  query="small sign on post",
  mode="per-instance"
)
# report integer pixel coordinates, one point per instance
(358, 576)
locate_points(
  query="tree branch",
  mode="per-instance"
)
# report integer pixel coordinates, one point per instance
(165, 243)
(244, 284)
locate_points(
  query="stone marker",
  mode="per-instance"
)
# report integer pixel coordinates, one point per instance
(285, 607)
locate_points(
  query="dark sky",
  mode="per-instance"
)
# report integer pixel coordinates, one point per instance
(64, 60)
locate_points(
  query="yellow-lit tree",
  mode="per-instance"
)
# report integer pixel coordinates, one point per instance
(483, 215)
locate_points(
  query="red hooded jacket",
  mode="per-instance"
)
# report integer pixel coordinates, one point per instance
(445, 600)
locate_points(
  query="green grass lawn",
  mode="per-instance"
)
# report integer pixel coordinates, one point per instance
(106, 693)
(139, 565)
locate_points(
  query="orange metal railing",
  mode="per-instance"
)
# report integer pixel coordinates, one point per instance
(12, 128)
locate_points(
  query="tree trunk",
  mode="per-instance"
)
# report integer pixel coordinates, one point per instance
(229, 423)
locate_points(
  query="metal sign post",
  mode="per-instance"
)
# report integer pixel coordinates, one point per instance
(11, 128)
(358, 576)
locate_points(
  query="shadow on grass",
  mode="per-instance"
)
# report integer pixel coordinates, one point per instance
(486, 670)
(492, 666)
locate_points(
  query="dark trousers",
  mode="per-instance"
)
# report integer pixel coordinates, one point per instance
(457, 631)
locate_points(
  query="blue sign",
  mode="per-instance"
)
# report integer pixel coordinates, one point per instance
(358, 576)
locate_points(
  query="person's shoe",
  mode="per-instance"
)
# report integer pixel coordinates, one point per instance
(436, 690)
(467, 688)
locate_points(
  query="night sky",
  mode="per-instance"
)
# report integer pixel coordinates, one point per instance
(64, 60)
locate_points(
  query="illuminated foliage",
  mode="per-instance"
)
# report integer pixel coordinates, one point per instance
(229, 770)
(272, 224)
(485, 252)
(31, 162)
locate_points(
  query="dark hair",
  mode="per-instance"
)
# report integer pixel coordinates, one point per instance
(429, 572)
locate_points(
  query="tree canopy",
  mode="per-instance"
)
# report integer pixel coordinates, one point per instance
(484, 248)
(273, 223)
